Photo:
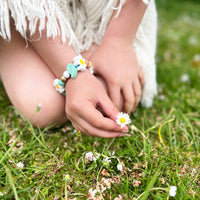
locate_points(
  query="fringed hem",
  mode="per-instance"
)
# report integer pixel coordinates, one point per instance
(27, 14)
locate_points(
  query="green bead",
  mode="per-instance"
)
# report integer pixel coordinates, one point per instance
(72, 70)
(61, 83)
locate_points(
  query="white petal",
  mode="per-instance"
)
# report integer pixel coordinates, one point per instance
(172, 191)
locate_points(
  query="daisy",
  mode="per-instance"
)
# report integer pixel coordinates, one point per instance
(91, 193)
(172, 191)
(20, 165)
(119, 167)
(89, 156)
(80, 61)
(123, 119)
(185, 78)
(59, 88)
(106, 161)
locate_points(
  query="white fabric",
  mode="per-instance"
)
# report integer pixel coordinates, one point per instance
(83, 22)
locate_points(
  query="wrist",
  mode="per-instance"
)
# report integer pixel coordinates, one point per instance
(79, 65)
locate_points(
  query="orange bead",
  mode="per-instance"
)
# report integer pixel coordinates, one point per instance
(86, 62)
(89, 64)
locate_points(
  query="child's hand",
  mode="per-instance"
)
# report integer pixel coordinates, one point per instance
(115, 61)
(85, 96)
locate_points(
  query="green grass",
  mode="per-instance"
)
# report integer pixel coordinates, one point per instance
(153, 163)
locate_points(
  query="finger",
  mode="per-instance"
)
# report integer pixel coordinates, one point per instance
(129, 99)
(93, 116)
(116, 96)
(137, 91)
(141, 78)
(90, 130)
(108, 107)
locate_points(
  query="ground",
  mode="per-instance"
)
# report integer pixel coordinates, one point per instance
(161, 149)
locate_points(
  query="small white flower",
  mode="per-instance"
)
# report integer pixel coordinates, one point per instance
(89, 156)
(119, 166)
(197, 57)
(107, 160)
(118, 198)
(1, 194)
(193, 41)
(58, 87)
(185, 78)
(20, 165)
(79, 60)
(67, 178)
(100, 188)
(123, 119)
(107, 182)
(162, 97)
(91, 193)
(172, 191)
(111, 153)
(146, 2)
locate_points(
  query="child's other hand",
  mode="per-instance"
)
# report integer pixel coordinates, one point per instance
(115, 61)
(85, 96)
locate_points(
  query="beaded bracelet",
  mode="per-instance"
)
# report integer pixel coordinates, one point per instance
(80, 64)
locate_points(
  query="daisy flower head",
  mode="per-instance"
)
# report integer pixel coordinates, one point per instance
(59, 87)
(80, 62)
(89, 156)
(123, 119)
(119, 166)
(172, 191)
(20, 165)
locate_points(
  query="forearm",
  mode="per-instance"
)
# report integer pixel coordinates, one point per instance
(126, 24)
(53, 52)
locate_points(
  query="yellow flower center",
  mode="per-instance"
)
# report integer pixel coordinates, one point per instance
(57, 86)
(122, 120)
(81, 61)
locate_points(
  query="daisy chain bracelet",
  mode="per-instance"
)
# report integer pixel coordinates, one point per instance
(80, 64)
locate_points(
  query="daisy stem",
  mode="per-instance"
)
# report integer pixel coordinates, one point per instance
(152, 189)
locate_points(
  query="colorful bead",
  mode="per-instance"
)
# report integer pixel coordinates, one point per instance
(61, 83)
(63, 79)
(80, 64)
(72, 70)
(89, 64)
(66, 74)
(86, 62)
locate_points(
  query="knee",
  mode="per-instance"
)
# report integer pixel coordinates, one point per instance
(53, 118)
(48, 112)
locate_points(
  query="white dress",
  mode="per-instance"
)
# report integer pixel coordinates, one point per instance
(83, 22)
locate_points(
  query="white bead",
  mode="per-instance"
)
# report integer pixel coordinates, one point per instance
(66, 74)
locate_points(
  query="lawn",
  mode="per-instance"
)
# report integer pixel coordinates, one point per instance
(162, 148)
